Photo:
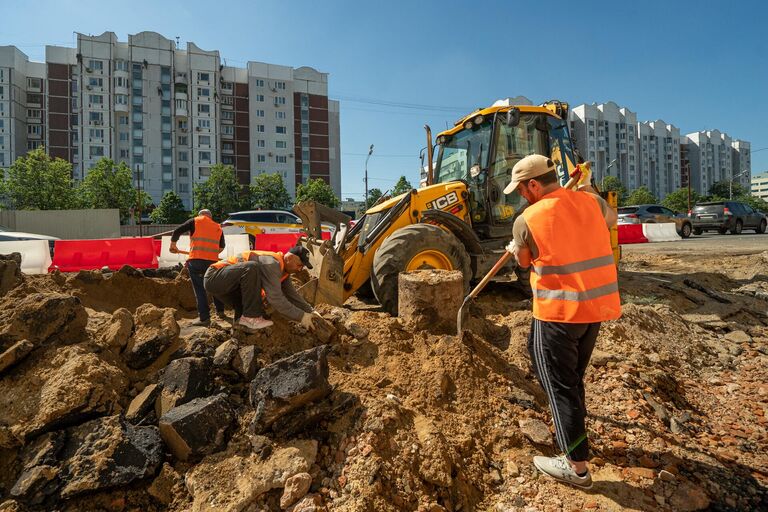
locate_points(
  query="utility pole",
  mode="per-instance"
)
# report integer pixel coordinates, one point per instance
(370, 152)
(138, 198)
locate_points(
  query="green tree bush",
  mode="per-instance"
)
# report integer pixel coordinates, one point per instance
(268, 192)
(641, 196)
(221, 193)
(401, 187)
(317, 190)
(170, 210)
(108, 185)
(37, 182)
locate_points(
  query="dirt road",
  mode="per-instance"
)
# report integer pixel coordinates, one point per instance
(708, 243)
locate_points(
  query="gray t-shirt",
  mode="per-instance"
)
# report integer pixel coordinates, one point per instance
(523, 237)
(281, 296)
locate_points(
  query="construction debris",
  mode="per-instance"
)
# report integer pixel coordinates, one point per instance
(112, 400)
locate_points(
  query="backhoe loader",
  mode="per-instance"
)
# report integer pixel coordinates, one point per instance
(460, 220)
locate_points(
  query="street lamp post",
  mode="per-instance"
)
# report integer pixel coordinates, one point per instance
(730, 182)
(370, 152)
(602, 181)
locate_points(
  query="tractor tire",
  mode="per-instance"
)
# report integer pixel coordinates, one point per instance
(411, 248)
(365, 291)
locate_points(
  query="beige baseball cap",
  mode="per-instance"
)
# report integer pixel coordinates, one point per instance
(527, 168)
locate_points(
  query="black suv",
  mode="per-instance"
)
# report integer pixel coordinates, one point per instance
(723, 216)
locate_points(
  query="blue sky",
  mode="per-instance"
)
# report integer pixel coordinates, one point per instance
(397, 65)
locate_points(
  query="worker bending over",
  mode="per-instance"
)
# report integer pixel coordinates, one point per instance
(243, 281)
(206, 240)
(564, 236)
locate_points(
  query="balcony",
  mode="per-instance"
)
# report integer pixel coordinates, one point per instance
(227, 151)
(121, 107)
(225, 135)
(180, 102)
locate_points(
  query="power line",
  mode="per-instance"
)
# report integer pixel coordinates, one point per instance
(758, 150)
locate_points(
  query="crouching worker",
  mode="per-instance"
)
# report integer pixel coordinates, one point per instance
(244, 281)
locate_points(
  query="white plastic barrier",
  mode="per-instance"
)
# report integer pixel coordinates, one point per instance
(233, 244)
(35, 254)
(664, 232)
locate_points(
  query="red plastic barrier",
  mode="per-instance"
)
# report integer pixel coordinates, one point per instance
(280, 242)
(631, 234)
(74, 255)
(158, 246)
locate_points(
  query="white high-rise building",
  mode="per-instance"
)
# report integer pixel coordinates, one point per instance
(659, 154)
(759, 186)
(606, 135)
(741, 162)
(168, 112)
(709, 157)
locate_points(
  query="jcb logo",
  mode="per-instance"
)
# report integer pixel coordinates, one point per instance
(443, 202)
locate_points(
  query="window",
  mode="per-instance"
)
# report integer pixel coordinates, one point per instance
(35, 114)
(183, 172)
(260, 128)
(281, 159)
(305, 155)
(2, 91)
(226, 86)
(305, 140)
(95, 82)
(227, 115)
(203, 108)
(304, 100)
(280, 115)
(304, 115)
(203, 123)
(203, 91)
(182, 124)
(279, 100)
(259, 83)
(96, 133)
(259, 113)
(280, 129)
(227, 100)
(124, 153)
(121, 65)
(182, 140)
(228, 146)
(261, 143)
(183, 156)
(259, 97)
(227, 130)
(96, 151)
(280, 85)
(96, 118)
(34, 83)
(95, 65)
(261, 158)
(281, 144)
(184, 188)
(204, 140)
(121, 99)
(124, 136)
(204, 156)
(203, 77)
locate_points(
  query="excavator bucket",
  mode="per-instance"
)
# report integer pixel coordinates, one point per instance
(326, 283)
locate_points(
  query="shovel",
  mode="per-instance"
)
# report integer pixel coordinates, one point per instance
(575, 177)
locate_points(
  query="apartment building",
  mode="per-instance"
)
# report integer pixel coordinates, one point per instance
(759, 186)
(654, 154)
(606, 135)
(658, 147)
(169, 112)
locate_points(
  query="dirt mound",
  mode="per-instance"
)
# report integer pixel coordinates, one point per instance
(375, 414)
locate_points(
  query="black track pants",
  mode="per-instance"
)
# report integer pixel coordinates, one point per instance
(560, 354)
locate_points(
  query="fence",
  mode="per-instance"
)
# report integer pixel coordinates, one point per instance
(147, 229)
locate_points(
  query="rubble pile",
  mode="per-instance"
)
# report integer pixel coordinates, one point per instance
(111, 400)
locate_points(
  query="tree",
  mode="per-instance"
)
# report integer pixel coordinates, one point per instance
(755, 202)
(401, 187)
(170, 210)
(613, 184)
(373, 195)
(221, 193)
(268, 191)
(641, 196)
(37, 182)
(678, 200)
(317, 190)
(108, 185)
(722, 189)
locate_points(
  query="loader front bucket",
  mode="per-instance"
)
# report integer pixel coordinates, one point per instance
(326, 283)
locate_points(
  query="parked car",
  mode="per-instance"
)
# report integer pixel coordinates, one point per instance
(724, 216)
(654, 213)
(265, 221)
(15, 236)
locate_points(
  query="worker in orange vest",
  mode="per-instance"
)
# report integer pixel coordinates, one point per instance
(246, 279)
(206, 240)
(563, 236)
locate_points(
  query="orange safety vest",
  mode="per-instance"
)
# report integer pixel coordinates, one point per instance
(246, 255)
(574, 278)
(204, 242)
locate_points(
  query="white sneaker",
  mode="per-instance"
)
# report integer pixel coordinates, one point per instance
(561, 470)
(254, 324)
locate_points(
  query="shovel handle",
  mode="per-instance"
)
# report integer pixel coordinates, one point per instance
(502, 261)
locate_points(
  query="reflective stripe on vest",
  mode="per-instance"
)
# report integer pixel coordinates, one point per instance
(204, 242)
(574, 278)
